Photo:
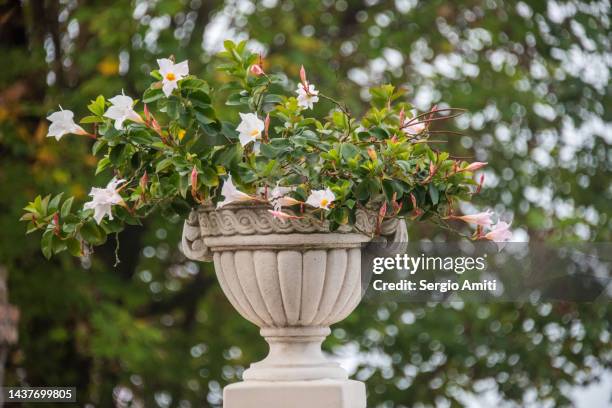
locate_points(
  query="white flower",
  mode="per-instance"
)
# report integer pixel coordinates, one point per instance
(415, 129)
(62, 122)
(171, 73)
(285, 201)
(279, 191)
(483, 218)
(500, 233)
(121, 110)
(307, 97)
(250, 129)
(103, 199)
(231, 193)
(321, 198)
(280, 199)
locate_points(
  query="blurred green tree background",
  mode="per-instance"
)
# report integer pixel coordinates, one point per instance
(157, 331)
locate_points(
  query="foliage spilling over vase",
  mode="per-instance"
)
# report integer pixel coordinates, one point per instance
(170, 152)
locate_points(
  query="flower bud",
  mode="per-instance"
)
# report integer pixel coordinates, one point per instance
(480, 184)
(144, 180)
(475, 166)
(256, 70)
(147, 114)
(303, 75)
(194, 180)
(57, 224)
(432, 169)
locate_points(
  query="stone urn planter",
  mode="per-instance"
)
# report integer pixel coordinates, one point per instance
(293, 279)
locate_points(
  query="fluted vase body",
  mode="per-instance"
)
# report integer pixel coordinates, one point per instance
(292, 278)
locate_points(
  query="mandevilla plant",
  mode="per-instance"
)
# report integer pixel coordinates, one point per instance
(174, 154)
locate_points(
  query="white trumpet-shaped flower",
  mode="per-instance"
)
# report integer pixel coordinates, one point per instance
(122, 109)
(103, 200)
(231, 194)
(307, 95)
(171, 73)
(62, 122)
(280, 199)
(482, 218)
(414, 129)
(250, 129)
(500, 233)
(321, 198)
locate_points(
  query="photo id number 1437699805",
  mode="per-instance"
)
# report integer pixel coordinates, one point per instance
(39, 394)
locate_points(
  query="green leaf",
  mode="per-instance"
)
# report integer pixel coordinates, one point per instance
(118, 154)
(204, 119)
(173, 108)
(66, 207)
(46, 243)
(98, 145)
(58, 244)
(367, 188)
(381, 95)
(194, 83)
(96, 107)
(152, 94)
(209, 177)
(92, 233)
(380, 133)
(348, 151)
(155, 74)
(434, 194)
(237, 99)
(142, 137)
(228, 155)
(163, 165)
(74, 246)
(91, 119)
(102, 164)
(273, 99)
(54, 203)
(44, 205)
(200, 99)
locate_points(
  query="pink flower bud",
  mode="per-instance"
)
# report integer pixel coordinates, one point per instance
(433, 111)
(475, 166)
(155, 126)
(256, 70)
(194, 182)
(56, 230)
(147, 114)
(144, 180)
(283, 216)
(402, 117)
(480, 184)
(383, 210)
(381, 216)
(303, 75)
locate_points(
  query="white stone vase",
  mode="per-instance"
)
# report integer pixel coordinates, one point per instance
(293, 279)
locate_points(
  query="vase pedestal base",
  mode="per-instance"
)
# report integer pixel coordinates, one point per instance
(295, 394)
